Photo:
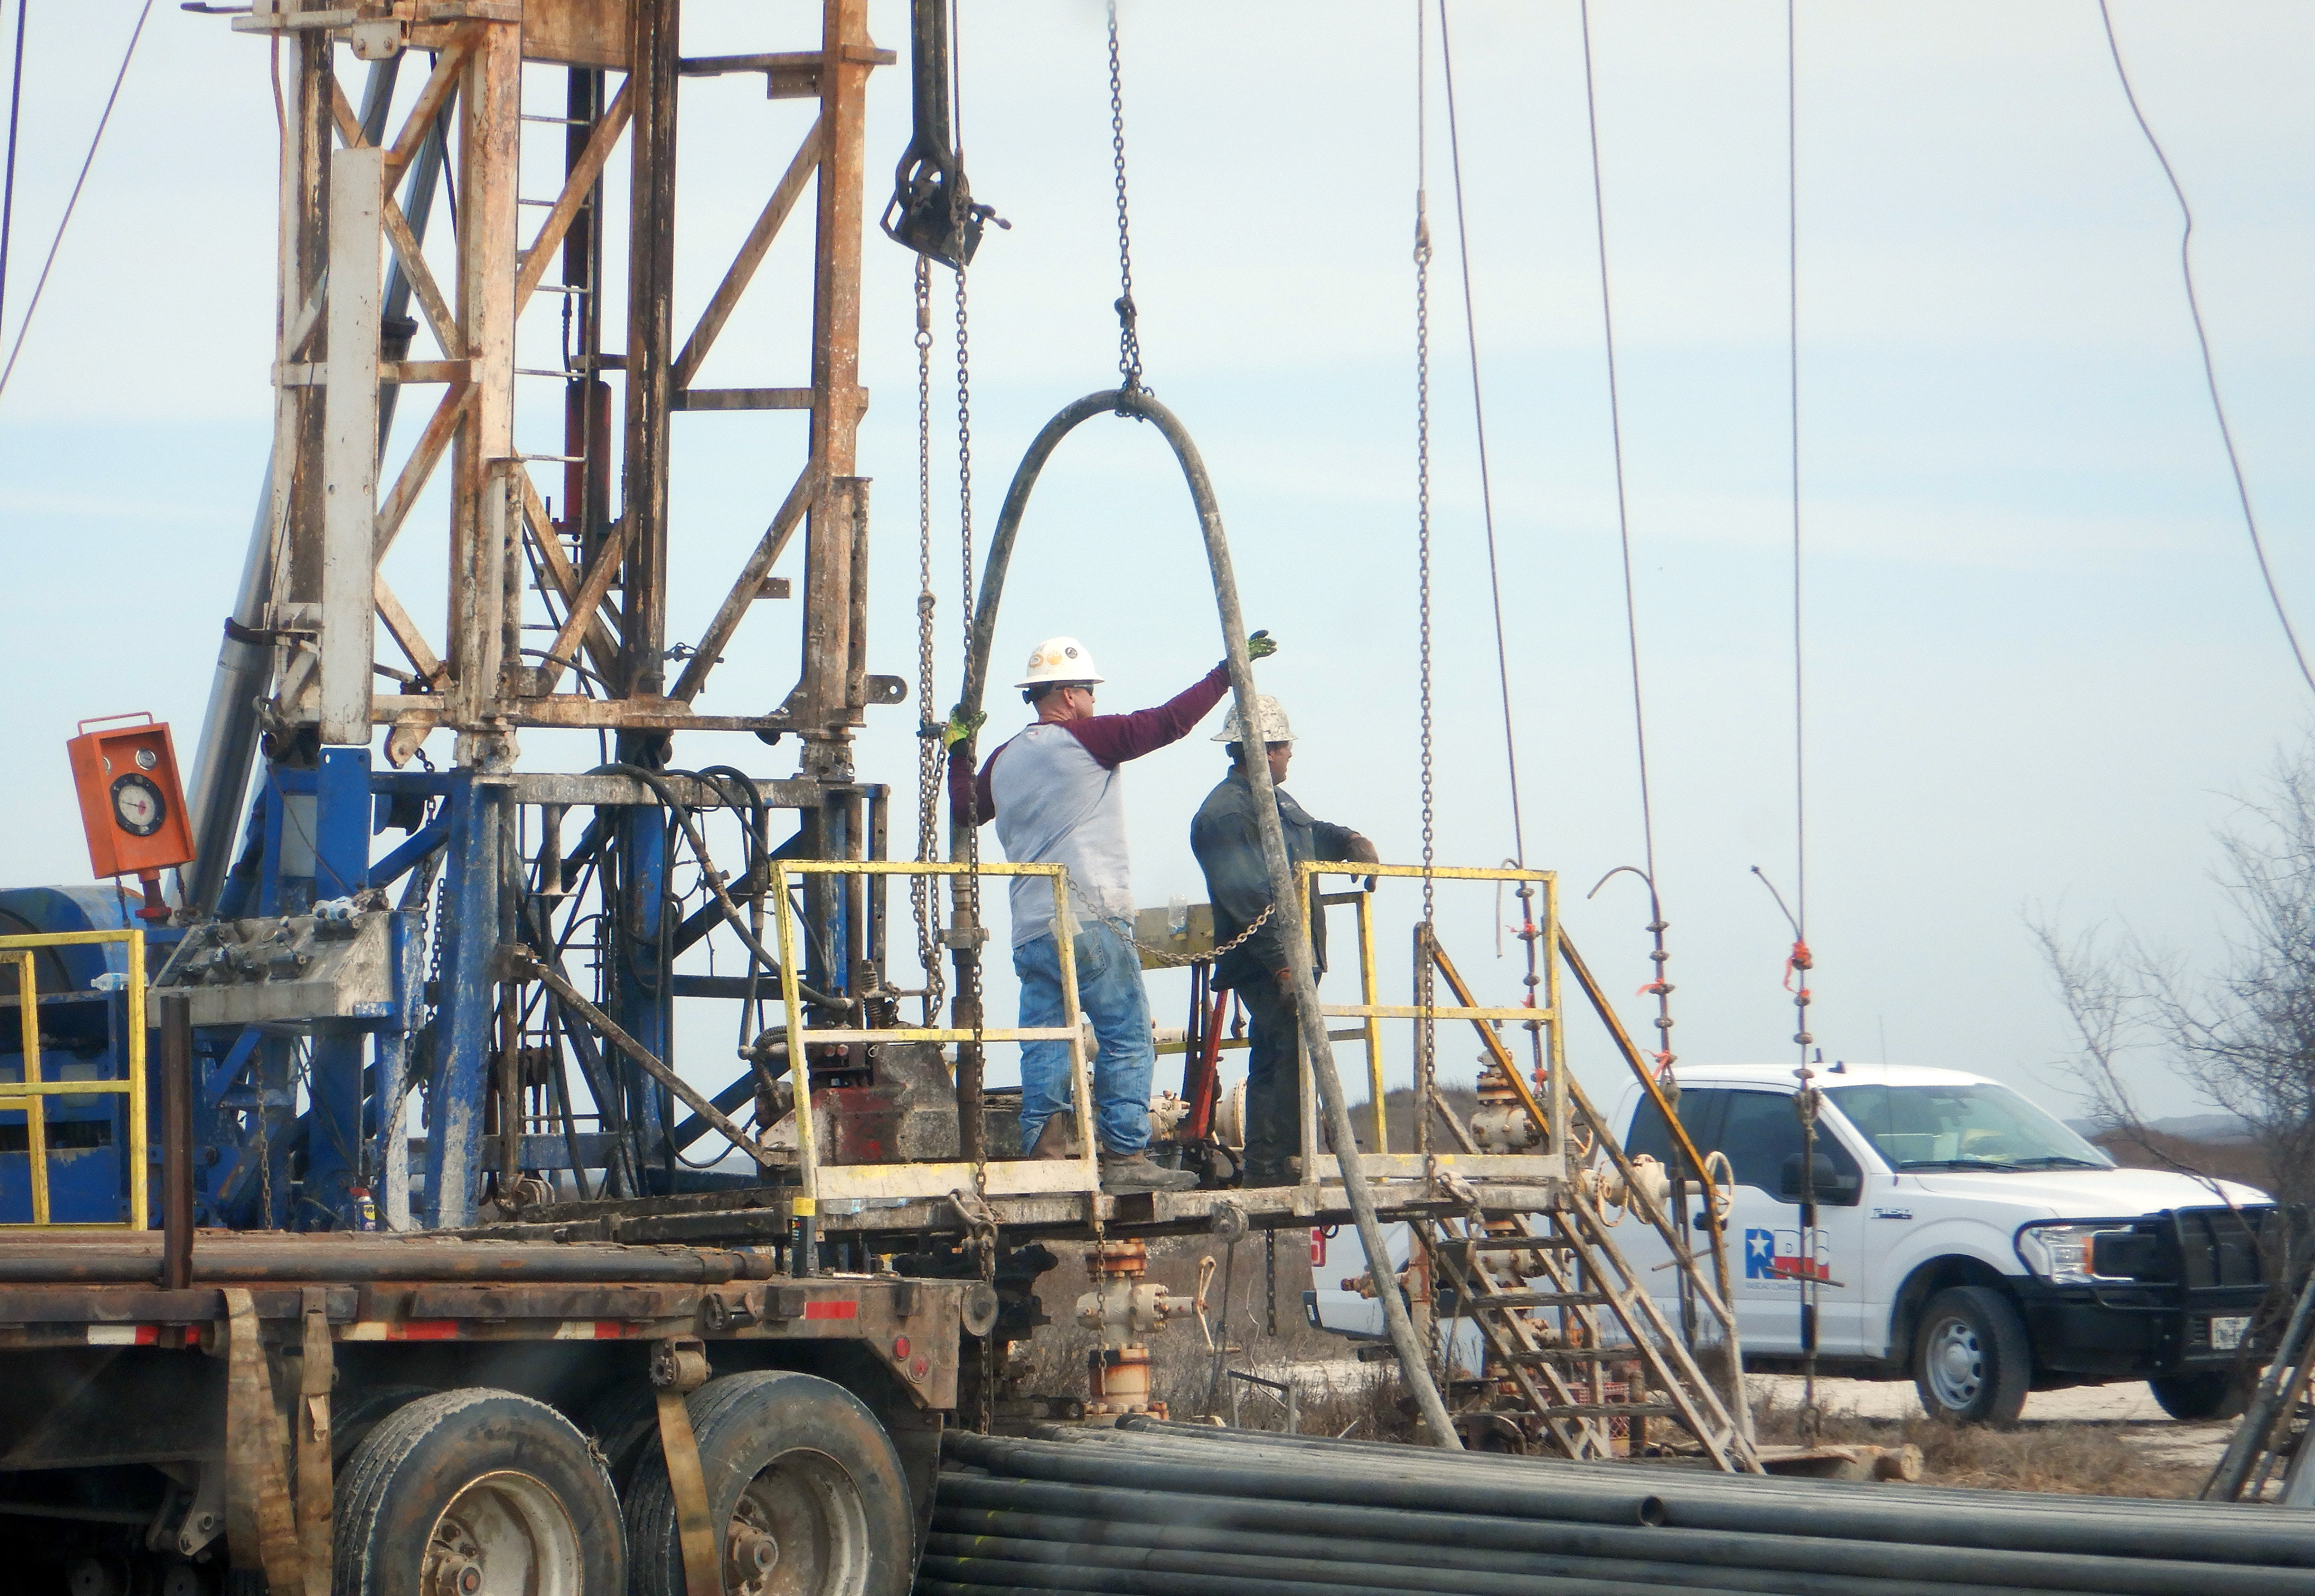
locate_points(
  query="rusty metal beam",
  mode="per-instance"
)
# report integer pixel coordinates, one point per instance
(742, 268)
(749, 586)
(650, 335)
(576, 187)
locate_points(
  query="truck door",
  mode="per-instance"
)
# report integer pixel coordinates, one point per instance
(1760, 1135)
(1648, 1135)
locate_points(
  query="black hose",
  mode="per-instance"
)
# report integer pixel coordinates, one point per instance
(681, 815)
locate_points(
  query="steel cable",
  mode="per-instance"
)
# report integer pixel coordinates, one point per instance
(72, 201)
(8, 182)
(2202, 342)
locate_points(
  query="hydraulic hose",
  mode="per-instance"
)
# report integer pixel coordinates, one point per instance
(1134, 402)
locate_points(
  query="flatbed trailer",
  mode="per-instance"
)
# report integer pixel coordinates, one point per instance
(309, 1399)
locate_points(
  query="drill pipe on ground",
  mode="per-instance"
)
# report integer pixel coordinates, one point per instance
(979, 1504)
(1153, 1509)
(1434, 1564)
(1695, 1499)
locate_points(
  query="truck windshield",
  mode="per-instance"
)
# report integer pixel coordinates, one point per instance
(1973, 1125)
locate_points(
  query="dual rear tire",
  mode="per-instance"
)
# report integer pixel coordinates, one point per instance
(485, 1493)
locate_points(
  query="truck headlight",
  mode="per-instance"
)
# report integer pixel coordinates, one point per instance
(2066, 1254)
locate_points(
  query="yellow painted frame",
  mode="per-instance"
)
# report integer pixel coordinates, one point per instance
(1373, 1011)
(1082, 1174)
(33, 1093)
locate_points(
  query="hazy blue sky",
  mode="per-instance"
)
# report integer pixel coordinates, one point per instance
(2039, 658)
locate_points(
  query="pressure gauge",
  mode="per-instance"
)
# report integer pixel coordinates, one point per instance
(146, 758)
(137, 805)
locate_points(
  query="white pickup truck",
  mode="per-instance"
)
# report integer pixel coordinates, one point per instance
(1965, 1240)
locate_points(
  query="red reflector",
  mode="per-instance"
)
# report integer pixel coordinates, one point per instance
(831, 1310)
(424, 1330)
(901, 1348)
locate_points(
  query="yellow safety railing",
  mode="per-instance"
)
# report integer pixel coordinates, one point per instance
(1004, 1176)
(32, 1094)
(1373, 1011)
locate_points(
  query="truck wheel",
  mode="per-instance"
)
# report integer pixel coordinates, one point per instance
(2214, 1394)
(804, 1486)
(1972, 1362)
(354, 1415)
(477, 1493)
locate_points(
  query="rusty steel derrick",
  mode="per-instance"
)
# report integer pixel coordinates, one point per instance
(358, 186)
(342, 215)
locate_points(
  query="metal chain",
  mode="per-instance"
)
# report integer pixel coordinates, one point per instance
(1426, 1047)
(1180, 961)
(923, 889)
(1129, 336)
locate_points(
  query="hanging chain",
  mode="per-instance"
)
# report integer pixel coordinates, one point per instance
(1173, 961)
(923, 889)
(1426, 1059)
(969, 883)
(1128, 335)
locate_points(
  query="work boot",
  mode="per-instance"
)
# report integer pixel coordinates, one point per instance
(1052, 1139)
(1133, 1172)
(1264, 1172)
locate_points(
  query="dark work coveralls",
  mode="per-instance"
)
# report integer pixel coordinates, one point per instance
(1228, 848)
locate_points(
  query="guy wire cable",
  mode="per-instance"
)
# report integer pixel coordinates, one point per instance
(8, 183)
(25, 325)
(1479, 421)
(2202, 342)
(1616, 436)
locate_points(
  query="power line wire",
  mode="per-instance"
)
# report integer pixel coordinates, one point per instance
(1793, 361)
(1616, 436)
(1479, 421)
(8, 187)
(2203, 342)
(25, 325)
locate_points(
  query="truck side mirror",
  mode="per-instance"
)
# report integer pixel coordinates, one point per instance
(1834, 1186)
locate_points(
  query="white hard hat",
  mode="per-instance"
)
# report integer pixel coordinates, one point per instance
(1060, 660)
(1274, 726)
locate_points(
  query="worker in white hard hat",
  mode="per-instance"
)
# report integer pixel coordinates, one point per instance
(1056, 792)
(1227, 841)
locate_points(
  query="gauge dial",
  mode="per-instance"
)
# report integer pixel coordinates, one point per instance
(137, 805)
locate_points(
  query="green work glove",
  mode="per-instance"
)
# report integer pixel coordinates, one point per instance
(962, 727)
(1261, 645)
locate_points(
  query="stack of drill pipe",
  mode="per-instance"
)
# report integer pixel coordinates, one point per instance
(1158, 1509)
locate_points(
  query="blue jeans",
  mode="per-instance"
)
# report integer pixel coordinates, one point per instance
(1109, 990)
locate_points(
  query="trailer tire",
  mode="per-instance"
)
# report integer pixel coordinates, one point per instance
(622, 1421)
(2211, 1394)
(1972, 1360)
(487, 1479)
(803, 1487)
(354, 1415)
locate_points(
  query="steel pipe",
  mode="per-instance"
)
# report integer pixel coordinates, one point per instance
(1687, 1493)
(1438, 1552)
(221, 1261)
(1798, 1556)
(2210, 1537)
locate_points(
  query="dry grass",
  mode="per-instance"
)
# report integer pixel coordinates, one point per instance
(2075, 1459)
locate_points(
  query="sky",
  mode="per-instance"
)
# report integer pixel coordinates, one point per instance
(2038, 664)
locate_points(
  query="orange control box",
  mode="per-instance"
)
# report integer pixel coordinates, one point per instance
(131, 804)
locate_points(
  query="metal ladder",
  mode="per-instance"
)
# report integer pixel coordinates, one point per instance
(1535, 1366)
(2266, 1441)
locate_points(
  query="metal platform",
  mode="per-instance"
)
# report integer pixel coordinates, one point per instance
(759, 1214)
